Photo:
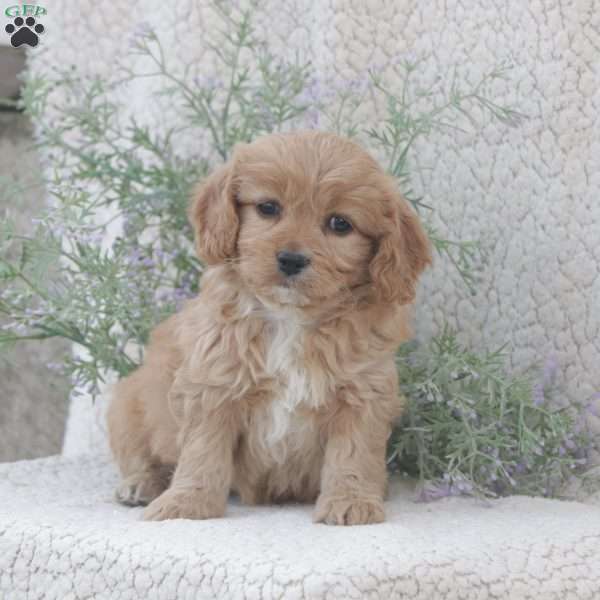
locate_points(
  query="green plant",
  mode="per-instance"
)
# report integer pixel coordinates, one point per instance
(471, 428)
(113, 254)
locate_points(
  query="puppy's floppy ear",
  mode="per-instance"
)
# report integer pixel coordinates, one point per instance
(403, 253)
(213, 215)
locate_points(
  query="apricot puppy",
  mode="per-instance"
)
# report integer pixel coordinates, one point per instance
(278, 381)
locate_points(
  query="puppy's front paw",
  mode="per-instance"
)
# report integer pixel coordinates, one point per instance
(139, 489)
(183, 504)
(348, 511)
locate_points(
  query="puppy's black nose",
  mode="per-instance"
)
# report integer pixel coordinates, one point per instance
(291, 263)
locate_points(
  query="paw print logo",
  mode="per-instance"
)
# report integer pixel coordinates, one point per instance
(24, 31)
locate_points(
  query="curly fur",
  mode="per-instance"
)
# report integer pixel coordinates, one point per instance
(278, 388)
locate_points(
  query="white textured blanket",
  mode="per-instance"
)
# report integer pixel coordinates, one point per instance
(62, 537)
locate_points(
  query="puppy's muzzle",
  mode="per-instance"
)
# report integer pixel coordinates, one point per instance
(291, 263)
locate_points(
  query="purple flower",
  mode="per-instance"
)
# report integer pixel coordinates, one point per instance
(570, 444)
(443, 488)
(361, 84)
(550, 370)
(591, 406)
(164, 255)
(134, 256)
(181, 294)
(433, 490)
(143, 30)
(162, 295)
(538, 395)
(547, 380)
(313, 118)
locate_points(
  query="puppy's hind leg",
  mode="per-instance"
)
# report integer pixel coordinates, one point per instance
(144, 477)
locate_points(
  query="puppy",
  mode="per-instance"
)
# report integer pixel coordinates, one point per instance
(278, 381)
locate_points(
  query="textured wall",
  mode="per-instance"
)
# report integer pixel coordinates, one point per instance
(529, 193)
(33, 401)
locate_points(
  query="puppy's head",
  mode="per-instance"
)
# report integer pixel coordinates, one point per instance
(308, 218)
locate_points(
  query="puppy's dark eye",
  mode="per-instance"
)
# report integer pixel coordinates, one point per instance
(271, 208)
(339, 225)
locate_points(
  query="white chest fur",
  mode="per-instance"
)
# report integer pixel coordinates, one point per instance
(296, 387)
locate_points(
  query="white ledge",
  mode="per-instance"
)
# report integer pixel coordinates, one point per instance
(62, 536)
